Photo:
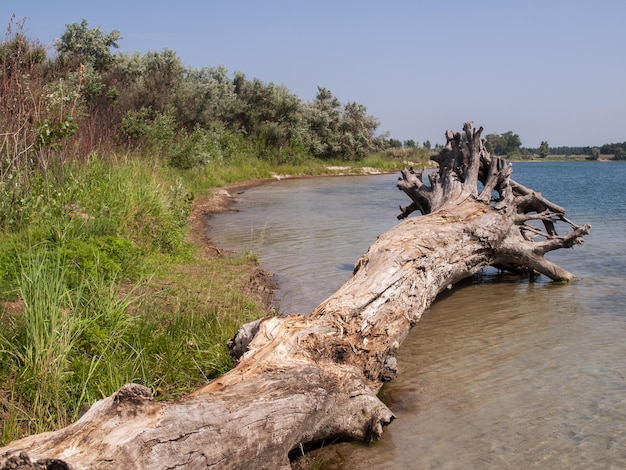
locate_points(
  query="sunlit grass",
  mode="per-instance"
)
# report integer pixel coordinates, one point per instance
(109, 290)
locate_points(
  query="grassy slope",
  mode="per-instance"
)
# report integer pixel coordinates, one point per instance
(108, 278)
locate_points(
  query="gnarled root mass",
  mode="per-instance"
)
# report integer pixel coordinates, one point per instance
(468, 171)
(304, 379)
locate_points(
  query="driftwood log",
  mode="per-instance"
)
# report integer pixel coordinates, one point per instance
(301, 380)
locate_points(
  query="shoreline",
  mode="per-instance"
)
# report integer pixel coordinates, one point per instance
(221, 198)
(261, 282)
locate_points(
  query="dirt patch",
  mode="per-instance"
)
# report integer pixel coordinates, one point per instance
(202, 209)
(12, 307)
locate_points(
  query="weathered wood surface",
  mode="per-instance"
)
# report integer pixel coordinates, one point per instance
(306, 379)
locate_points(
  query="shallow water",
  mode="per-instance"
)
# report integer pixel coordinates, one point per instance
(309, 232)
(500, 372)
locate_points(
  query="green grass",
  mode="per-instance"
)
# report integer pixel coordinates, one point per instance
(44, 344)
(75, 343)
(99, 285)
(108, 291)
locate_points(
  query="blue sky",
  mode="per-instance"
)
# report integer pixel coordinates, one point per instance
(551, 70)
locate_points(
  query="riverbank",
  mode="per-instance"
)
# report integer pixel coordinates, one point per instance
(123, 244)
(262, 283)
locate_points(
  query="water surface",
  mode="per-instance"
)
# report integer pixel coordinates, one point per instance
(500, 372)
(309, 232)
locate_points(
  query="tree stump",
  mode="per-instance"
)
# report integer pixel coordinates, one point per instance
(301, 380)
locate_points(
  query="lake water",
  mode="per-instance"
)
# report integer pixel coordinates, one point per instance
(500, 373)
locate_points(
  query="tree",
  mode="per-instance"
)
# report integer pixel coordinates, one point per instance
(302, 380)
(544, 149)
(504, 144)
(618, 150)
(89, 46)
(356, 130)
(513, 142)
(395, 143)
(204, 98)
(322, 117)
(162, 75)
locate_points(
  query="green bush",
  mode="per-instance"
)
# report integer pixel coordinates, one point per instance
(192, 151)
(152, 131)
(216, 147)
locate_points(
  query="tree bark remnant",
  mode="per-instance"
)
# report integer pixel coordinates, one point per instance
(301, 380)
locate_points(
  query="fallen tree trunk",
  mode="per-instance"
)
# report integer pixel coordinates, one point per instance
(301, 380)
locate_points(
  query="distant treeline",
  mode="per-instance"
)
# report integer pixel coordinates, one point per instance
(617, 151)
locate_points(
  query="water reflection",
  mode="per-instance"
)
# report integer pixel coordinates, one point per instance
(310, 232)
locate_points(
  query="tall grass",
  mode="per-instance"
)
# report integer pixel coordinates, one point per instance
(47, 341)
(71, 346)
(51, 326)
(103, 289)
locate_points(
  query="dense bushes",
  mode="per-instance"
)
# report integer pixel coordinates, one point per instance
(86, 98)
(152, 97)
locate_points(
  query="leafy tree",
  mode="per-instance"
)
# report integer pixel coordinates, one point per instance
(544, 149)
(513, 142)
(339, 132)
(322, 117)
(356, 132)
(205, 98)
(267, 111)
(88, 46)
(162, 75)
(505, 144)
(85, 58)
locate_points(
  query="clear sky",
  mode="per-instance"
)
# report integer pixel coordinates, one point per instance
(551, 70)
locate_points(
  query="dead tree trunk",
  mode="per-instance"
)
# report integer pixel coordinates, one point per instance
(306, 379)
